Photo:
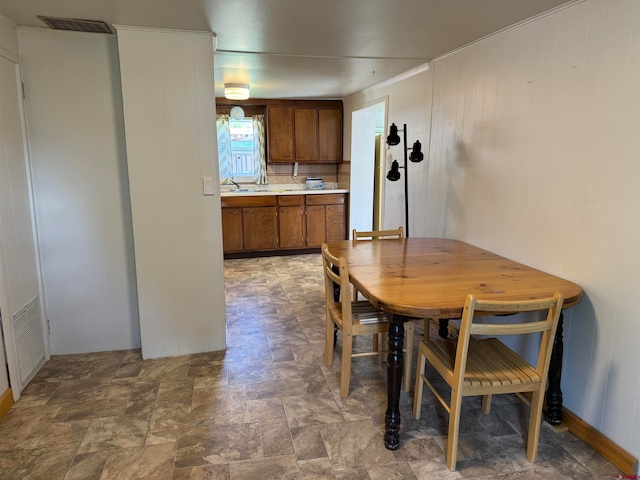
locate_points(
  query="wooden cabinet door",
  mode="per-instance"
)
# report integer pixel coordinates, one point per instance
(306, 134)
(290, 223)
(232, 230)
(260, 228)
(329, 135)
(316, 226)
(280, 134)
(335, 223)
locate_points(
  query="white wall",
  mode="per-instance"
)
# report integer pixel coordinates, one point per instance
(535, 154)
(169, 106)
(408, 102)
(76, 140)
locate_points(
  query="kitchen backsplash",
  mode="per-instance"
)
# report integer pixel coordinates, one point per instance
(283, 174)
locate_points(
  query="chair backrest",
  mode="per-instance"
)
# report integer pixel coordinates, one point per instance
(378, 234)
(336, 273)
(548, 325)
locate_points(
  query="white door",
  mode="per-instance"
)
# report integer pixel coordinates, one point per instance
(20, 300)
(363, 165)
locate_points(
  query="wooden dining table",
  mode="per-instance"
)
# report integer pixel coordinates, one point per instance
(415, 278)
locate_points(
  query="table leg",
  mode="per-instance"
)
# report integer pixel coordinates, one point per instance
(443, 328)
(394, 379)
(553, 415)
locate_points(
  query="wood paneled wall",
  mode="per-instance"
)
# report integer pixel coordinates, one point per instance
(169, 110)
(535, 154)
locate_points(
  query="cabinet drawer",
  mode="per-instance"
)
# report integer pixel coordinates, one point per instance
(326, 199)
(290, 200)
(247, 201)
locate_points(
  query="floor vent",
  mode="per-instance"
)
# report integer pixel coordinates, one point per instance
(27, 331)
(76, 25)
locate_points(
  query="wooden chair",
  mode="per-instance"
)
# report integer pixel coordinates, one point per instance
(407, 377)
(486, 366)
(352, 318)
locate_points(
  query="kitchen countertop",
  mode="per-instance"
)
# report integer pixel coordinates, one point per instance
(286, 189)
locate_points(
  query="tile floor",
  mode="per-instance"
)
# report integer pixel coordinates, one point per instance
(266, 408)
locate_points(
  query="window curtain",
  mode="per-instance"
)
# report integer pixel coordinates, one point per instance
(224, 148)
(259, 157)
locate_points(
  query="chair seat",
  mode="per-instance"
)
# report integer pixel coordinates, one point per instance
(364, 316)
(490, 363)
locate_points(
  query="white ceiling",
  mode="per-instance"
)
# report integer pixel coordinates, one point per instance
(305, 48)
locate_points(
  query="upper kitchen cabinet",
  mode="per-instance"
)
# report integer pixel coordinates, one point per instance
(329, 135)
(280, 131)
(306, 132)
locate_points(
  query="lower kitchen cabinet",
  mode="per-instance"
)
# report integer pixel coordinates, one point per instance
(260, 228)
(326, 218)
(290, 216)
(282, 222)
(232, 229)
(316, 225)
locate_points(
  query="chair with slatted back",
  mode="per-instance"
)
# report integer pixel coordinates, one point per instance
(351, 318)
(486, 366)
(407, 377)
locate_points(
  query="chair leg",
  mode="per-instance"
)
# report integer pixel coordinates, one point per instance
(407, 374)
(328, 341)
(417, 391)
(425, 332)
(454, 427)
(345, 372)
(534, 425)
(375, 342)
(486, 404)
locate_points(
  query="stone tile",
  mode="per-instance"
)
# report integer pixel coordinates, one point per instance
(315, 469)
(58, 433)
(275, 437)
(392, 471)
(305, 410)
(213, 406)
(165, 369)
(251, 372)
(209, 472)
(25, 427)
(282, 467)
(218, 444)
(48, 463)
(360, 473)
(276, 388)
(87, 466)
(113, 433)
(36, 393)
(266, 409)
(153, 461)
(129, 370)
(308, 443)
(94, 409)
(433, 470)
(355, 444)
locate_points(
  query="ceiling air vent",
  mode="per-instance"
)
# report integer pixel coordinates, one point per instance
(76, 25)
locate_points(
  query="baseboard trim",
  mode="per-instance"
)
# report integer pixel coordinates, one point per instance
(610, 450)
(6, 401)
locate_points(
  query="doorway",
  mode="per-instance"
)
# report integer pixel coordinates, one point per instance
(366, 185)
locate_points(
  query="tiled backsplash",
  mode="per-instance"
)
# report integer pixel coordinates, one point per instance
(283, 174)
